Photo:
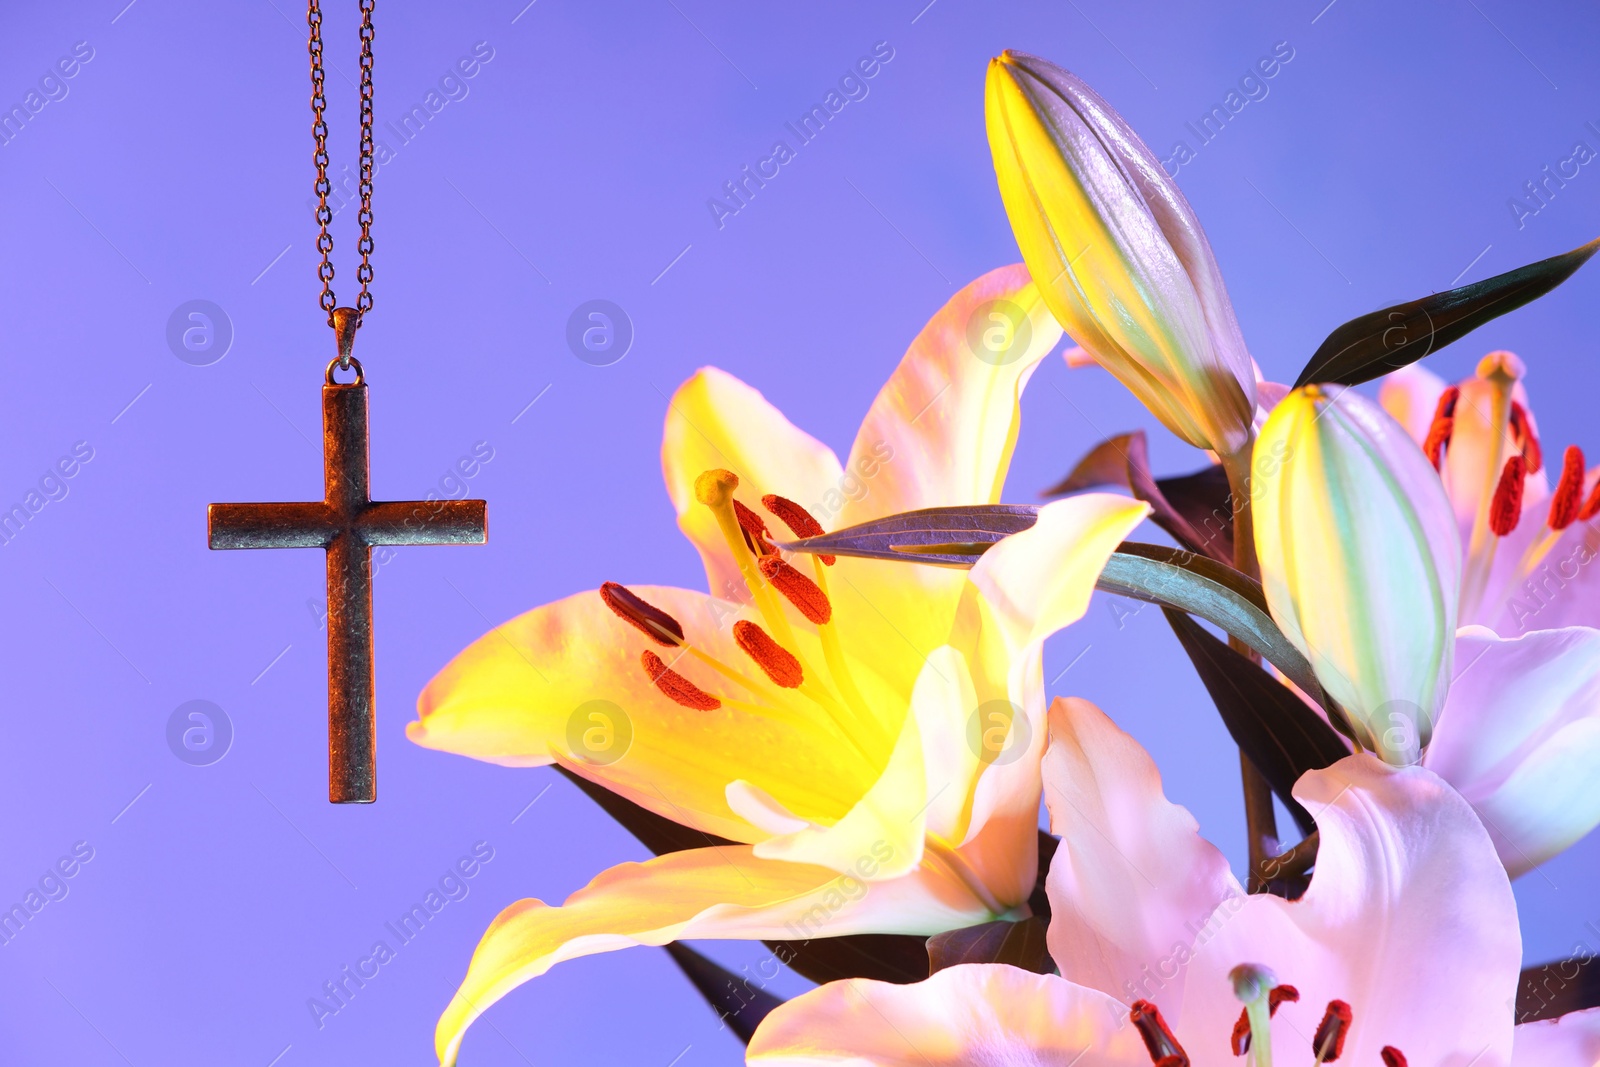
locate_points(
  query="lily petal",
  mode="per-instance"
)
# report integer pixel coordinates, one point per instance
(1520, 738)
(964, 1015)
(1023, 590)
(1562, 588)
(940, 432)
(1409, 920)
(943, 704)
(512, 697)
(703, 893)
(1132, 877)
(1038, 581)
(715, 421)
(1570, 1041)
(942, 429)
(890, 814)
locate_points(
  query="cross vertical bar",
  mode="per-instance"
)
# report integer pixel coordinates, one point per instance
(352, 724)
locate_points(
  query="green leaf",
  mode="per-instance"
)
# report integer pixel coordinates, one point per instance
(953, 536)
(658, 834)
(1272, 726)
(1020, 944)
(737, 1003)
(1551, 990)
(1173, 578)
(898, 958)
(1373, 345)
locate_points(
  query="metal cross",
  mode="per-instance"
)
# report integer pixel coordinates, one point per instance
(347, 523)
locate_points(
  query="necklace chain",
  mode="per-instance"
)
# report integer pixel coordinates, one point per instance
(319, 131)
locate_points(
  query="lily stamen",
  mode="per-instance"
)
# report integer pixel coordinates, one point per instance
(1591, 506)
(1522, 433)
(1443, 426)
(757, 537)
(777, 662)
(1501, 370)
(675, 686)
(801, 522)
(1328, 1043)
(1158, 1040)
(1253, 984)
(1505, 509)
(807, 597)
(1392, 1057)
(642, 615)
(765, 574)
(1241, 1029)
(714, 489)
(833, 650)
(1567, 500)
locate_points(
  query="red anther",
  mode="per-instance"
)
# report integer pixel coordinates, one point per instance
(755, 530)
(800, 521)
(1438, 436)
(1522, 433)
(1392, 1057)
(1443, 425)
(775, 660)
(1506, 507)
(1328, 1043)
(642, 615)
(1241, 1029)
(1568, 497)
(1590, 506)
(1241, 1033)
(801, 591)
(1158, 1040)
(677, 688)
(1446, 408)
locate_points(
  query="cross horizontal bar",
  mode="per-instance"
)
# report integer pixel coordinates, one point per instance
(298, 525)
(424, 522)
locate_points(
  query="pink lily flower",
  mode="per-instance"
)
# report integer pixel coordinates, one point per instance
(1404, 952)
(1519, 736)
(1526, 517)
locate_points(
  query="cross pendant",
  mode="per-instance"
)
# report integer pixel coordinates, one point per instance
(347, 523)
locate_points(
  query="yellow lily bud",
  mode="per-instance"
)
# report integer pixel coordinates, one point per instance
(1360, 560)
(1117, 252)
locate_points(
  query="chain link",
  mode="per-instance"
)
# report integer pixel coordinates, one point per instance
(319, 132)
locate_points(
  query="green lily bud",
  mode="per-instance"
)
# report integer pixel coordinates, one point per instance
(1360, 561)
(1117, 252)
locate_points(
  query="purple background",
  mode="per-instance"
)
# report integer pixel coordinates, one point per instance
(578, 166)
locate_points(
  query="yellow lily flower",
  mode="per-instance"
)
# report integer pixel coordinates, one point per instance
(868, 732)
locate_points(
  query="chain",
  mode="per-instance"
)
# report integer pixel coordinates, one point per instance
(319, 131)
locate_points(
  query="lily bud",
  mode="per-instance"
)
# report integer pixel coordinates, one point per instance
(1117, 252)
(1360, 560)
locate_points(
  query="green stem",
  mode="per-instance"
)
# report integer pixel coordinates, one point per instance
(1261, 820)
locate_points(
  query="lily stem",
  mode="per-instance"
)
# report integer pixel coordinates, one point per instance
(1261, 820)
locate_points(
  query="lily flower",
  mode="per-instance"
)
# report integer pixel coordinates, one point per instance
(867, 733)
(1527, 566)
(1120, 256)
(1404, 951)
(1360, 555)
